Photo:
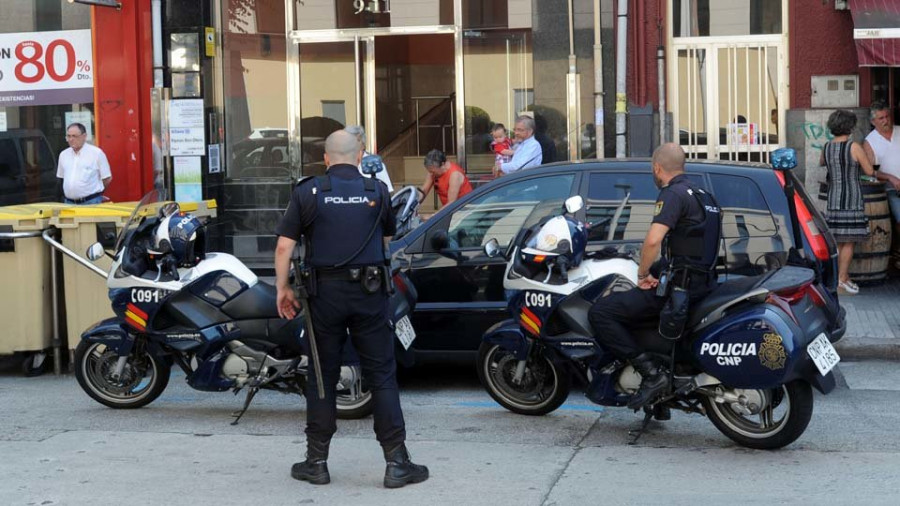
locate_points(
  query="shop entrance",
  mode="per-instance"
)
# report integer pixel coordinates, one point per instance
(401, 87)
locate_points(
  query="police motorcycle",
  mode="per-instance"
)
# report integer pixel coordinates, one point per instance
(206, 313)
(749, 355)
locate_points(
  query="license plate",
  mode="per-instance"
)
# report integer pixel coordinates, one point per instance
(823, 354)
(405, 332)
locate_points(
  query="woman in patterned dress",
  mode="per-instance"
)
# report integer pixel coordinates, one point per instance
(845, 212)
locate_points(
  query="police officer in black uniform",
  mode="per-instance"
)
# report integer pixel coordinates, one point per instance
(336, 213)
(686, 227)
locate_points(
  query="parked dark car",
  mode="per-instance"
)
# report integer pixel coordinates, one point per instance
(461, 290)
(27, 168)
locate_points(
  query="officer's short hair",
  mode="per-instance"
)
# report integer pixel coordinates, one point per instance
(359, 132)
(435, 158)
(669, 156)
(342, 147)
(841, 122)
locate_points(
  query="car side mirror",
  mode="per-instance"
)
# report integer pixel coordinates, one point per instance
(440, 240)
(492, 248)
(574, 204)
(371, 165)
(95, 252)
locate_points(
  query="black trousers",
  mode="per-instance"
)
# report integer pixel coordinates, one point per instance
(613, 315)
(338, 306)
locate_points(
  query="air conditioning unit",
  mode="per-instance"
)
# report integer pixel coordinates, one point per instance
(841, 5)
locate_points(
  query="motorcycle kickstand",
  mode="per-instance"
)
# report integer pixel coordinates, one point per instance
(251, 392)
(636, 434)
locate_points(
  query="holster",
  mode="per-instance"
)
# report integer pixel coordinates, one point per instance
(371, 279)
(306, 278)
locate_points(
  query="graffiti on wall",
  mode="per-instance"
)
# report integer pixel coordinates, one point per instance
(815, 133)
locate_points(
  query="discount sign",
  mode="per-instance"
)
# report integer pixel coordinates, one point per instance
(46, 68)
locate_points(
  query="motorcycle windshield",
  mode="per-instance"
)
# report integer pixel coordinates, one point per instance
(148, 205)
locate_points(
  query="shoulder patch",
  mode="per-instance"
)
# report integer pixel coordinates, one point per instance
(659, 206)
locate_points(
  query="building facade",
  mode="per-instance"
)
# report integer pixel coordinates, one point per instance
(246, 91)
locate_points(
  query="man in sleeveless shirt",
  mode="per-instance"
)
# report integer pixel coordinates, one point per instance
(882, 147)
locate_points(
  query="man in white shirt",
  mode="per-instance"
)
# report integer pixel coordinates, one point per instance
(382, 175)
(83, 168)
(527, 150)
(882, 147)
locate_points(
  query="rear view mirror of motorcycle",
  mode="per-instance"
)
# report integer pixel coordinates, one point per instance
(492, 248)
(94, 252)
(574, 204)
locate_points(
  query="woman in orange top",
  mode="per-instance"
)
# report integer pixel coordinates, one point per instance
(448, 179)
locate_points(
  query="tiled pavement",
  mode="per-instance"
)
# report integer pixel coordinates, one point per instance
(873, 322)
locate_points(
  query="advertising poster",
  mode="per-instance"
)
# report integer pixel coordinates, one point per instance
(188, 179)
(46, 68)
(186, 133)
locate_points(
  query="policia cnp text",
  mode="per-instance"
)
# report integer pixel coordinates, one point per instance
(337, 215)
(686, 229)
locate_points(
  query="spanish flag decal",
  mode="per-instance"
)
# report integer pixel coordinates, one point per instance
(530, 321)
(135, 317)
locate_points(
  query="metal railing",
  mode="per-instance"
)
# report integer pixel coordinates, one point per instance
(419, 126)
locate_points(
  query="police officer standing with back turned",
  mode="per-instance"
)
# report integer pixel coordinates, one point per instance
(347, 222)
(686, 228)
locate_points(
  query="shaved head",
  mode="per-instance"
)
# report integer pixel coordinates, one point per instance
(342, 147)
(670, 158)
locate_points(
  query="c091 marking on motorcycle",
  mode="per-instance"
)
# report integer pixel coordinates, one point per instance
(142, 295)
(534, 299)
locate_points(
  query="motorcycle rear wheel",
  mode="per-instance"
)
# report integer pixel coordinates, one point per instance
(544, 387)
(353, 400)
(794, 401)
(143, 378)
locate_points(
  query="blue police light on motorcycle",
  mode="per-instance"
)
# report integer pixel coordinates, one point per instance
(371, 165)
(784, 158)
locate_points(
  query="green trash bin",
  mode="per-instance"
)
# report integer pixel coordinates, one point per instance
(26, 302)
(86, 293)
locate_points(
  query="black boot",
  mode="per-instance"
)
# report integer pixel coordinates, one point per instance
(400, 470)
(315, 468)
(654, 381)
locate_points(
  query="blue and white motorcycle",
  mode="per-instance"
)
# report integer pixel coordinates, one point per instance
(207, 314)
(749, 357)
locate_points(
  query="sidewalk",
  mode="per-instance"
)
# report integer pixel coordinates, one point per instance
(873, 323)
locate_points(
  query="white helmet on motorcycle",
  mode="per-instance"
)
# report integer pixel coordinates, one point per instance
(181, 235)
(560, 235)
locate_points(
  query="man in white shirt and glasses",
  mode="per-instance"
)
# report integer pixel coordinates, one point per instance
(83, 169)
(526, 150)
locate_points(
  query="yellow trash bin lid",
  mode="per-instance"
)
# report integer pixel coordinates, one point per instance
(28, 217)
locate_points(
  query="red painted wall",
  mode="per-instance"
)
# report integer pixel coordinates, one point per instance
(642, 84)
(122, 81)
(820, 43)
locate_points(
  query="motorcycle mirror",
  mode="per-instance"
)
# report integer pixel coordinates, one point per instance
(94, 252)
(371, 165)
(492, 248)
(574, 204)
(784, 159)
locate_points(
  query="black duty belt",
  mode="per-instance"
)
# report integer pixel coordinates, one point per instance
(343, 274)
(85, 199)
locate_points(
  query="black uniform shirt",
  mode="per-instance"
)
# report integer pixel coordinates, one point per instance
(301, 211)
(676, 205)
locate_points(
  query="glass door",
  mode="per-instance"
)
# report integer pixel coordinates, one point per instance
(332, 83)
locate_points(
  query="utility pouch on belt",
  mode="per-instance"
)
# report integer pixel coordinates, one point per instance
(305, 278)
(674, 314)
(371, 279)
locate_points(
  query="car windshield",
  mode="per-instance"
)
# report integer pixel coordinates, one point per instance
(146, 207)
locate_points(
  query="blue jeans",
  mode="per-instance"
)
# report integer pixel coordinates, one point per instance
(894, 203)
(96, 200)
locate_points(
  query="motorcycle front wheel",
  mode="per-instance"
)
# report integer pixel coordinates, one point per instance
(142, 380)
(784, 416)
(543, 387)
(353, 400)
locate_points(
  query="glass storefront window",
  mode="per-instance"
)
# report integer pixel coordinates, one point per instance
(255, 188)
(702, 18)
(33, 119)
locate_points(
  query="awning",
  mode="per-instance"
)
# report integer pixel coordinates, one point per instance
(876, 29)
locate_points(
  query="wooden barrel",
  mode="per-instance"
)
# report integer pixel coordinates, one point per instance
(872, 257)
